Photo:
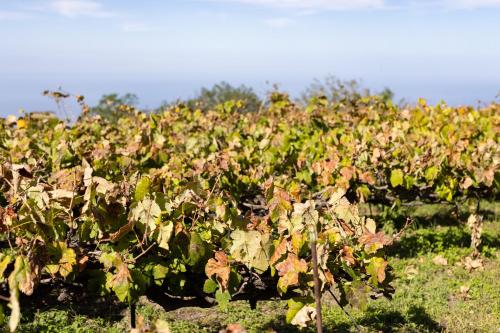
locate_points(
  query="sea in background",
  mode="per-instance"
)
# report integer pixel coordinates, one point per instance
(26, 93)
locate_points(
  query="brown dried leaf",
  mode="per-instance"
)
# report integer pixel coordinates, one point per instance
(233, 328)
(373, 242)
(472, 264)
(220, 268)
(347, 173)
(82, 263)
(347, 255)
(289, 271)
(279, 251)
(440, 260)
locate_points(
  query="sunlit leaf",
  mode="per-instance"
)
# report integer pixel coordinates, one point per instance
(397, 177)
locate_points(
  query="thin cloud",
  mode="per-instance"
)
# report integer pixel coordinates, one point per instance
(13, 15)
(472, 4)
(314, 4)
(446, 4)
(77, 8)
(317, 5)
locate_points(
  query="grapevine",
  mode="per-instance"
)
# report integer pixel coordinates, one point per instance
(219, 202)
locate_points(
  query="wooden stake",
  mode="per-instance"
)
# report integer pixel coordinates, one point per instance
(317, 288)
(132, 315)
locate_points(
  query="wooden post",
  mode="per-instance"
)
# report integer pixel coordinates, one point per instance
(317, 288)
(132, 315)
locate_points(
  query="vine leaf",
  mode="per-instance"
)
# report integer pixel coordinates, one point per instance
(20, 279)
(64, 259)
(373, 242)
(300, 312)
(376, 269)
(219, 266)
(370, 226)
(198, 250)
(279, 251)
(251, 248)
(164, 234)
(5, 260)
(347, 255)
(397, 177)
(142, 188)
(222, 298)
(146, 212)
(289, 271)
(120, 283)
(279, 205)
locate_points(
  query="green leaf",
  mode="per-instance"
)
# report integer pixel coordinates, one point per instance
(445, 192)
(142, 188)
(222, 298)
(63, 259)
(198, 251)
(2, 314)
(109, 259)
(20, 279)
(210, 286)
(121, 283)
(397, 177)
(4, 262)
(409, 181)
(300, 311)
(431, 173)
(160, 272)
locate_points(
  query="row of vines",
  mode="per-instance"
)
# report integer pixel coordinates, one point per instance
(218, 203)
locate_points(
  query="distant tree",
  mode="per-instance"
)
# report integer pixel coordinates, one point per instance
(111, 106)
(222, 92)
(386, 94)
(341, 91)
(335, 90)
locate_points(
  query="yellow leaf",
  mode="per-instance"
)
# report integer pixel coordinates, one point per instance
(4, 262)
(21, 123)
(370, 226)
(376, 269)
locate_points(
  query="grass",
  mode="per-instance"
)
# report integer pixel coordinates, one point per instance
(428, 298)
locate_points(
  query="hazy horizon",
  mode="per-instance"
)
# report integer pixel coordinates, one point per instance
(153, 94)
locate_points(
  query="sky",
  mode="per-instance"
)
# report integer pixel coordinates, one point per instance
(162, 50)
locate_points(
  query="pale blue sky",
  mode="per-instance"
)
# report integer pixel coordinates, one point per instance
(161, 50)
